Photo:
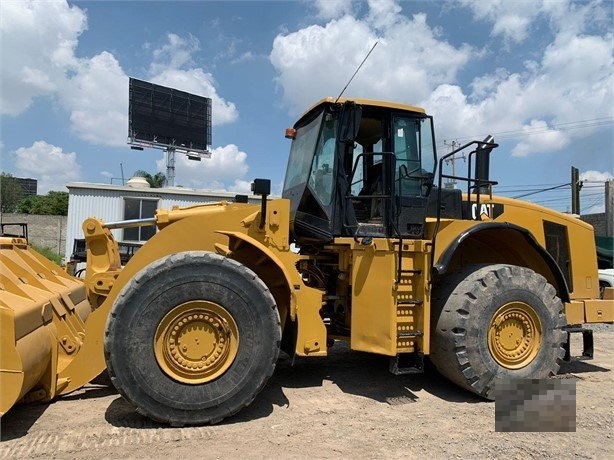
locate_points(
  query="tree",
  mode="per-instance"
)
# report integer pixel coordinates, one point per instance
(158, 180)
(54, 203)
(11, 192)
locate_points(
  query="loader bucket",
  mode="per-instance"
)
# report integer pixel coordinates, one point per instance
(42, 315)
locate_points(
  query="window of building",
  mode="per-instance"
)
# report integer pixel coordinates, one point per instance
(139, 208)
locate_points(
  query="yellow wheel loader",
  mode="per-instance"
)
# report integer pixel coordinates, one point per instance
(366, 245)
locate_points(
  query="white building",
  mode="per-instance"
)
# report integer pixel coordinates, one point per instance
(113, 203)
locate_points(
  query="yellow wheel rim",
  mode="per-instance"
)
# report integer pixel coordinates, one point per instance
(196, 342)
(514, 335)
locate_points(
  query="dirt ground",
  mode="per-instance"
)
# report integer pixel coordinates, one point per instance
(343, 406)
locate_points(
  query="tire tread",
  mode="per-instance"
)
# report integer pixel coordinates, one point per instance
(453, 302)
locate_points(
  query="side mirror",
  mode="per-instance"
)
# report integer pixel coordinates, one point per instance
(262, 187)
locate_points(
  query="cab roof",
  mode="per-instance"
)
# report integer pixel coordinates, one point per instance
(367, 102)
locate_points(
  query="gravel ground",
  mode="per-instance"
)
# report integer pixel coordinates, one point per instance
(344, 406)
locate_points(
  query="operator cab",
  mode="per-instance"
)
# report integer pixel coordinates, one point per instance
(359, 168)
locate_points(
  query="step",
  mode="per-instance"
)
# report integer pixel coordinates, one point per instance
(405, 302)
(407, 363)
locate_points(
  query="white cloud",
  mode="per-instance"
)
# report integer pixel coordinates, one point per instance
(332, 9)
(175, 54)
(97, 99)
(573, 72)
(317, 61)
(39, 40)
(245, 57)
(510, 19)
(384, 13)
(540, 138)
(514, 21)
(581, 66)
(38, 59)
(53, 167)
(173, 66)
(38, 43)
(596, 176)
(536, 107)
(224, 171)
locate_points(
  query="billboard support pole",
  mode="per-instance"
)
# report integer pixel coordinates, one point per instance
(170, 166)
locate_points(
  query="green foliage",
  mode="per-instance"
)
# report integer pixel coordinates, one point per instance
(11, 192)
(54, 203)
(48, 253)
(158, 180)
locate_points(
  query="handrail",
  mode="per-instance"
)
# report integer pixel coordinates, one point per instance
(388, 217)
(366, 197)
(477, 183)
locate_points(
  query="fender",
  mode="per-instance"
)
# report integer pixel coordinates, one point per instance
(277, 269)
(240, 243)
(443, 263)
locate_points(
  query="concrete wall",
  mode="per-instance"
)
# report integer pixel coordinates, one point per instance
(598, 221)
(46, 231)
(603, 222)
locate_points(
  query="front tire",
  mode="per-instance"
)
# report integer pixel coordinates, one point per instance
(496, 321)
(192, 338)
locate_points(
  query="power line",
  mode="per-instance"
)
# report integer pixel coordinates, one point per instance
(539, 188)
(552, 184)
(554, 200)
(527, 185)
(565, 199)
(519, 190)
(567, 126)
(543, 190)
(596, 202)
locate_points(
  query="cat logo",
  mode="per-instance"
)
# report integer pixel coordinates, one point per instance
(486, 211)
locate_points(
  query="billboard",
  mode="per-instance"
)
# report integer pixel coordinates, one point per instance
(168, 118)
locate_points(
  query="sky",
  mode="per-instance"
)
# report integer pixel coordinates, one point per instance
(537, 75)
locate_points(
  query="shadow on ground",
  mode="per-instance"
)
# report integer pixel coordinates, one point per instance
(18, 421)
(360, 374)
(366, 375)
(579, 367)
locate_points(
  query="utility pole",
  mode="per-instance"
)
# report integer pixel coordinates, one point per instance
(451, 183)
(576, 185)
(609, 207)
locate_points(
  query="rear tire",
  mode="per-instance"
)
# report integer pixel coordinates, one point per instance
(192, 338)
(496, 321)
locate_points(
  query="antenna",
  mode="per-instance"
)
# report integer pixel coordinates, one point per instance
(363, 61)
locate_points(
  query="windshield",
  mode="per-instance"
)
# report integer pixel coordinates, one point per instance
(321, 177)
(301, 153)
